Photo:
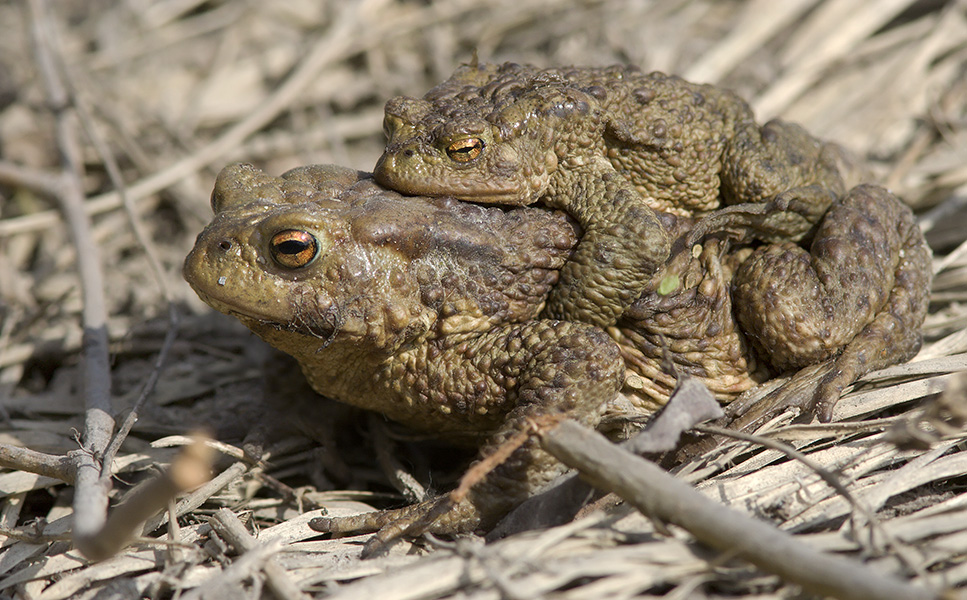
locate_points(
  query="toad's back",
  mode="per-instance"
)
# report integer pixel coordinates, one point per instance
(666, 135)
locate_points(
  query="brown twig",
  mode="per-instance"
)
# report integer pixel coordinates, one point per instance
(190, 469)
(90, 498)
(479, 470)
(227, 525)
(656, 493)
(199, 496)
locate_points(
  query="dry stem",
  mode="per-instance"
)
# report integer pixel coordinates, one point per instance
(659, 495)
(25, 459)
(90, 498)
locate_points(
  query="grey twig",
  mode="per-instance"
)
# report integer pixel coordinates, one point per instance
(25, 459)
(660, 495)
(90, 497)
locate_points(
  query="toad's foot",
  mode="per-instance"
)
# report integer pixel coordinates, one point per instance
(798, 392)
(788, 216)
(779, 181)
(438, 516)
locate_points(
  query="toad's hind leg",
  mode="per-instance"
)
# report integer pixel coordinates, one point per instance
(857, 297)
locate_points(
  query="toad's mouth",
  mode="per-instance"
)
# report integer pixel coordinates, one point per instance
(472, 191)
(234, 310)
(224, 296)
(506, 196)
(320, 327)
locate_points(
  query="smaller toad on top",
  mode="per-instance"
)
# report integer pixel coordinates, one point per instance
(615, 148)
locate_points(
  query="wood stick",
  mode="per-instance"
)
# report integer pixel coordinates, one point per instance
(25, 459)
(659, 495)
(90, 497)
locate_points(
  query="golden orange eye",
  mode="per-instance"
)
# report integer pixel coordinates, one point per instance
(293, 248)
(465, 150)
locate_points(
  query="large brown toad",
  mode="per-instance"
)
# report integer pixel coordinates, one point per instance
(427, 310)
(611, 146)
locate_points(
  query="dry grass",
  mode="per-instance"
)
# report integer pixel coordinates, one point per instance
(178, 88)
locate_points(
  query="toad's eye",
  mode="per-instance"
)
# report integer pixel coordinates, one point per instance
(293, 248)
(465, 150)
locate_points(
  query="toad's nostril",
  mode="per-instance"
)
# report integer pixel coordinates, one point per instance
(225, 245)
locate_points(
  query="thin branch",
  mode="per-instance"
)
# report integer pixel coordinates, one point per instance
(48, 465)
(659, 495)
(90, 499)
(16, 175)
(31, 537)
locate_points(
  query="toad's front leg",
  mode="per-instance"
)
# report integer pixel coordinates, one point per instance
(856, 298)
(543, 368)
(623, 243)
